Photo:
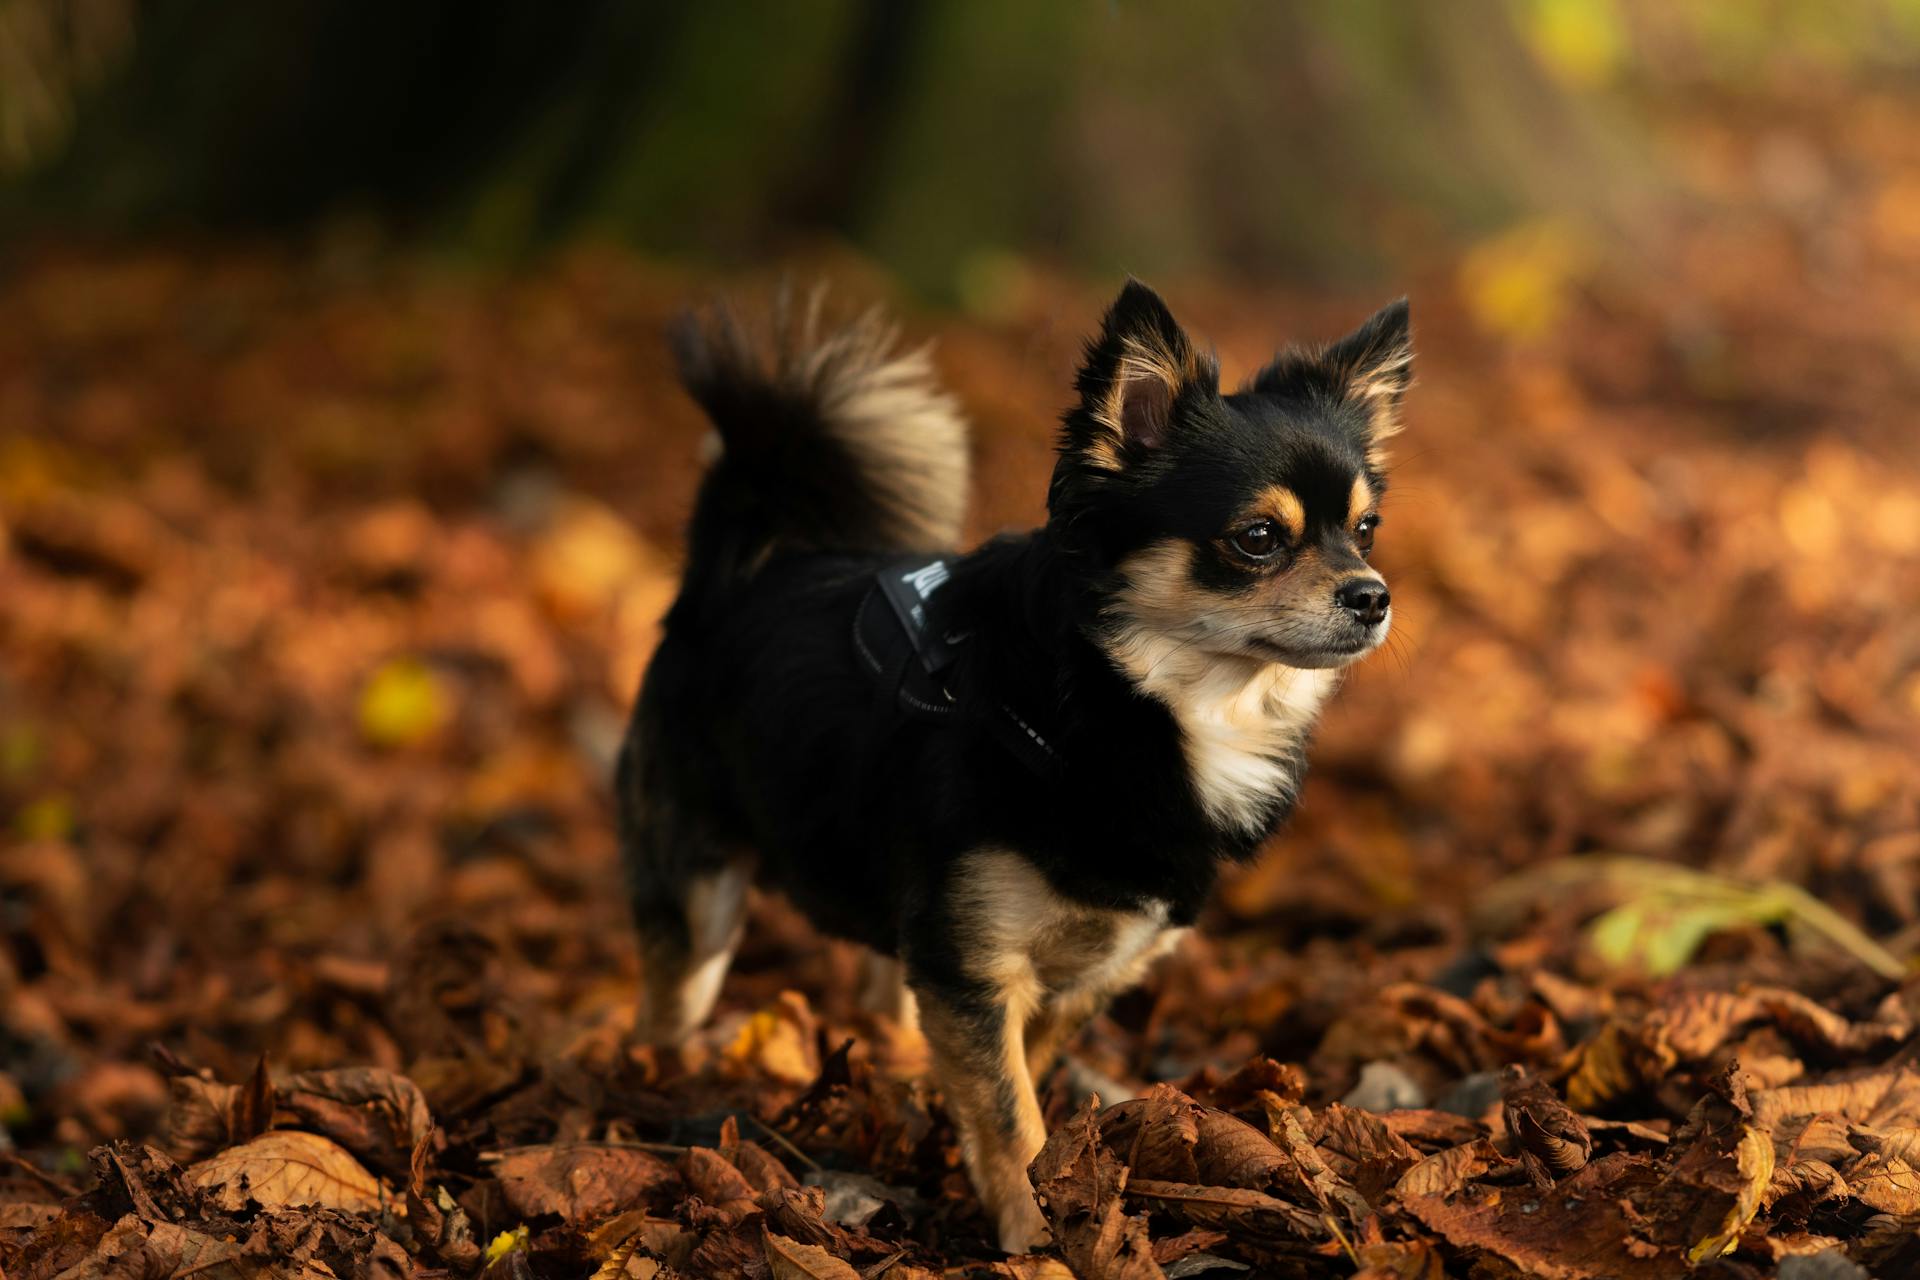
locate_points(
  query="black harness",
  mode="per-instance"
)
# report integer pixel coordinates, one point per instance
(905, 638)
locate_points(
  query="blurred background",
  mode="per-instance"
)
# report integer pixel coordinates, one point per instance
(341, 479)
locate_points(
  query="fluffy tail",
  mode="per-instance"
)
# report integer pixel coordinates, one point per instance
(829, 440)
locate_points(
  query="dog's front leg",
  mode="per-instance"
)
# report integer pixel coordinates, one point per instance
(978, 1041)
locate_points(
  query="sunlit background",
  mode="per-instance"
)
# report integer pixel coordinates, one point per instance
(342, 473)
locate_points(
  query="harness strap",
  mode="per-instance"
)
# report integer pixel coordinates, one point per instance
(911, 652)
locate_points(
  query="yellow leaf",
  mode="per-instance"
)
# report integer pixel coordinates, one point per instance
(1755, 1162)
(48, 818)
(778, 1040)
(403, 703)
(1581, 41)
(1517, 284)
(507, 1242)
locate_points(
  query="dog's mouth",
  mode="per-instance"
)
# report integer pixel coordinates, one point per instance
(1352, 644)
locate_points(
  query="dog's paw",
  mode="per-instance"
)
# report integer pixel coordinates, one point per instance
(1023, 1228)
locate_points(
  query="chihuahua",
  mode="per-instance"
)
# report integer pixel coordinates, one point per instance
(1014, 773)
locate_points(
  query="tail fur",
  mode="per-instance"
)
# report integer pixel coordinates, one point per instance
(830, 439)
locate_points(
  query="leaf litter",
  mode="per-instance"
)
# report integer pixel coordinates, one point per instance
(1589, 954)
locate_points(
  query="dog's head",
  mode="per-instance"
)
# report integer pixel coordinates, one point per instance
(1231, 526)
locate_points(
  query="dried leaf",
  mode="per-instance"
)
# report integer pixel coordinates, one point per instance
(1448, 1171)
(378, 1115)
(1238, 1211)
(1552, 1140)
(1885, 1183)
(1079, 1183)
(288, 1167)
(1578, 1229)
(791, 1260)
(1754, 1158)
(1879, 1099)
(581, 1181)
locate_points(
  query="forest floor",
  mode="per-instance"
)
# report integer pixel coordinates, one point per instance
(326, 577)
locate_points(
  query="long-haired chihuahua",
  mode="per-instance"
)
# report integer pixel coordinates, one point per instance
(1015, 772)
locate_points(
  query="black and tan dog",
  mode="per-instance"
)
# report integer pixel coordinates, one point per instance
(1016, 771)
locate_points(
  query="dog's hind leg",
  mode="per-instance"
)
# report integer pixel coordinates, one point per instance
(689, 895)
(884, 991)
(686, 943)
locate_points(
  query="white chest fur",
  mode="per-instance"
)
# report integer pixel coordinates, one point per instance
(1241, 725)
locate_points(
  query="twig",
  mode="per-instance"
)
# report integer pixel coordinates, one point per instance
(784, 1141)
(45, 1179)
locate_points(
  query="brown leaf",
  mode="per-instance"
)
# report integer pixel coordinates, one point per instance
(582, 1181)
(1079, 1183)
(1376, 1155)
(1578, 1229)
(1553, 1143)
(145, 1180)
(626, 1263)
(1238, 1211)
(1154, 1135)
(1695, 1023)
(1885, 1183)
(720, 1186)
(1900, 1144)
(378, 1115)
(1398, 1260)
(1446, 1172)
(200, 1117)
(791, 1260)
(1753, 1163)
(1285, 1082)
(1170, 1249)
(1609, 1066)
(1433, 1129)
(1311, 1174)
(16, 1215)
(1881, 1099)
(756, 1164)
(288, 1167)
(136, 1248)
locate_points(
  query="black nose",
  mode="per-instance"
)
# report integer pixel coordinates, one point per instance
(1365, 598)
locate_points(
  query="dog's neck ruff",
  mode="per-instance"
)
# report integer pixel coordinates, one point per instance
(1243, 723)
(904, 636)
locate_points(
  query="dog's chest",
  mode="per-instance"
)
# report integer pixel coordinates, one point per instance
(1242, 734)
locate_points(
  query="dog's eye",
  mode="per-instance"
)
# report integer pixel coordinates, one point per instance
(1363, 533)
(1257, 541)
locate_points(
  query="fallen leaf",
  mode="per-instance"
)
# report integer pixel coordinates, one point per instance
(791, 1260)
(1238, 1211)
(1579, 1229)
(378, 1115)
(403, 703)
(288, 1167)
(1753, 1155)
(581, 1181)
(1552, 1140)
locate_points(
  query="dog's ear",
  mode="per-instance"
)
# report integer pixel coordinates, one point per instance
(1134, 373)
(1370, 369)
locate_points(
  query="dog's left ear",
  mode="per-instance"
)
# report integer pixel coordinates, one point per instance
(1370, 369)
(1133, 376)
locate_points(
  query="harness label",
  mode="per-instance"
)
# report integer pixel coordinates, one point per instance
(910, 590)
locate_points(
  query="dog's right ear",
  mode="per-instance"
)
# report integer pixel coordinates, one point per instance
(1132, 377)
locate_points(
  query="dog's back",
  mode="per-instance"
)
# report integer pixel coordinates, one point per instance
(835, 453)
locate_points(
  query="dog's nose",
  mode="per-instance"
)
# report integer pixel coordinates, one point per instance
(1365, 598)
